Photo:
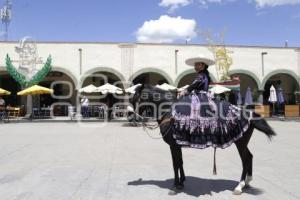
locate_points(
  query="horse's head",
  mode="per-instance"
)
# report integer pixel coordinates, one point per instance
(147, 97)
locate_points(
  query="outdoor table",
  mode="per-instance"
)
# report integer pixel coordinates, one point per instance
(60, 110)
(45, 112)
(13, 111)
(3, 114)
(41, 113)
(36, 113)
(100, 111)
(119, 111)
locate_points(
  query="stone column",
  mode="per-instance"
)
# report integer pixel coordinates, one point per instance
(298, 62)
(297, 93)
(260, 99)
(127, 59)
(127, 63)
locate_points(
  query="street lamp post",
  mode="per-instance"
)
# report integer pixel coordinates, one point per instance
(176, 61)
(262, 63)
(80, 61)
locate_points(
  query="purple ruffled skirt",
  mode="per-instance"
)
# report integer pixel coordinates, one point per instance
(201, 122)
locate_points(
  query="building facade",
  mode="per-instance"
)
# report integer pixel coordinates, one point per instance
(81, 64)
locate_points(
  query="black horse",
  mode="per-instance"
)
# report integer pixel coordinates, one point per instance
(148, 94)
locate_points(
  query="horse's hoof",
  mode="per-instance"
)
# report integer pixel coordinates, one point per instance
(248, 180)
(239, 188)
(176, 189)
(172, 193)
(237, 192)
(247, 186)
(182, 179)
(180, 187)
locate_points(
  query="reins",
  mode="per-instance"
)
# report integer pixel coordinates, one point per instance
(153, 127)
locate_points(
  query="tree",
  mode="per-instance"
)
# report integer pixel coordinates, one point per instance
(220, 52)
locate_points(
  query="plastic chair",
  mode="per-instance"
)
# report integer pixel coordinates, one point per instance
(36, 113)
(14, 112)
(71, 112)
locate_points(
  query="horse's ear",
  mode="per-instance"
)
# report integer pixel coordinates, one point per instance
(139, 88)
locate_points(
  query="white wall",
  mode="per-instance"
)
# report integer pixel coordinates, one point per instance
(157, 56)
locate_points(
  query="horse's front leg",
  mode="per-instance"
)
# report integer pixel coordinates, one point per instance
(177, 186)
(175, 165)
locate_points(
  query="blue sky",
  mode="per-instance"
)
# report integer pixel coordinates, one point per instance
(247, 22)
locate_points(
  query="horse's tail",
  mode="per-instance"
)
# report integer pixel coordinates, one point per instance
(261, 124)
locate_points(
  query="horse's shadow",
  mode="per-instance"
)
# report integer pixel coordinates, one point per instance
(128, 124)
(197, 186)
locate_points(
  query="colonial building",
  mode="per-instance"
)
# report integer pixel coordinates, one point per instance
(81, 64)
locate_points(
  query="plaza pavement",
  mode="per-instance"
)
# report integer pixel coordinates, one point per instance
(95, 161)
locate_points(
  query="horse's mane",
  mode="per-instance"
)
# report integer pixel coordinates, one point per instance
(152, 90)
(163, 97)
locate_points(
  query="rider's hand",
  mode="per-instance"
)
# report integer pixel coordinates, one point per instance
(182, 93)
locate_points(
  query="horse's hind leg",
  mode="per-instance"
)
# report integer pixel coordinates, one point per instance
(249, 168)
(246, 158)
(242, 151)
(249, 159)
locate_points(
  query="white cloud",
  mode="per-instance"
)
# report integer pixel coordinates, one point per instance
(205, 2)
(272, 3)
(259, 3)
(174, 4)
(166, 30)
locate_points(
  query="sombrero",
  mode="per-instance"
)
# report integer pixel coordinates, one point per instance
(192, 61)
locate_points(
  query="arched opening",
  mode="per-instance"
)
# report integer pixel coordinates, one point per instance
(101, 77)
(152, 78)
(286, 82)
(188, 76)
(245, 82)
(64, 92)
(8, 83)
(109, 104)
(186, 80)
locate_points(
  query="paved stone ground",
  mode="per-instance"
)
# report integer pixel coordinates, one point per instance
(91, 161)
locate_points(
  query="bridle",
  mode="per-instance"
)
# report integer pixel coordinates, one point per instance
(146, 125)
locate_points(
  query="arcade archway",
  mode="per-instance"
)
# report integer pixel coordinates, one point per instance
(151, 78)
(187, 77)
(286, 82)
(64, 88)
(8, 83)
(245, 82)
(97, 100)
(64, 92)
(99, 78)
